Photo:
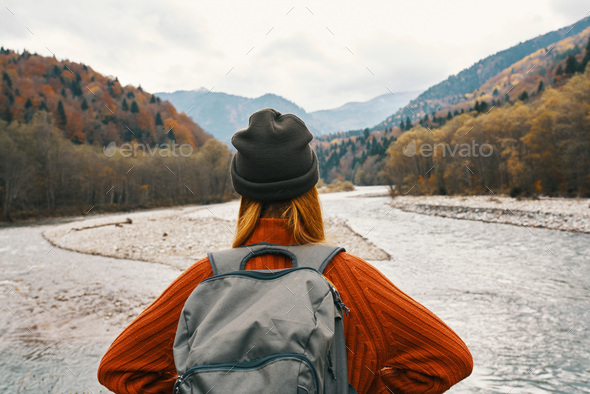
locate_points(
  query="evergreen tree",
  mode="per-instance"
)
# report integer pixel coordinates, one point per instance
(449, 116)
(6, 78)
(75, 88)
(571, 65)
(408, 123)
(541, 87)
(171, 136)
(153, 99)
(134, 107)
(159, 120)
(125, 106)
(524, 96)
(84, 105)
(483, 106)
(110, 87)
(28, 104)
(586, 58)
(61, 115)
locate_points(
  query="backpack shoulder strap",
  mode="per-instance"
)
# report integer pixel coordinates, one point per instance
(316, 256)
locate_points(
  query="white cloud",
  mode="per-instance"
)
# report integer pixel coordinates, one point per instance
(572, 10)
(297, 50)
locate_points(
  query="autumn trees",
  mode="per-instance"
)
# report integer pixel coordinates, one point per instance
(537, 147)
(507, 113)
(87, 106)
(42, 173)
(58, 118)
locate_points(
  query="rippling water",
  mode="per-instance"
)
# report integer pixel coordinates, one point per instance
(519, 299)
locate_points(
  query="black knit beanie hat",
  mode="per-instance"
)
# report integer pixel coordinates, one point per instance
(274, 161)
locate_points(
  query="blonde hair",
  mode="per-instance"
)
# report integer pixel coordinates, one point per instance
(303, 215)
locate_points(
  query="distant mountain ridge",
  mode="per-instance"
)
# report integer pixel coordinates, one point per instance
(455, 87)
(360, 115)
(221, 114)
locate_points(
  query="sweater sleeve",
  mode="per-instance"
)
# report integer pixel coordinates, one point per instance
(141, 360)
(416, 352)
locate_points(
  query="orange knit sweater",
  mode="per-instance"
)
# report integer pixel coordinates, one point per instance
(396, 345)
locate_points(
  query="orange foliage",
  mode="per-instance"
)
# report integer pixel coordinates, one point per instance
(47, 90)
(46, 81)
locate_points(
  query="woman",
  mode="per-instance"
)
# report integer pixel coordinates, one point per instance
(396, 345)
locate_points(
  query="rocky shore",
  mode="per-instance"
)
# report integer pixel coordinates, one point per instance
(178, 236)
(551, 213)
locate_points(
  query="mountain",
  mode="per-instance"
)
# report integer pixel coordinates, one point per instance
(87, 106)
(361, 156)
(454, 88)
(526, 77)
(359, 115)
(221, 114)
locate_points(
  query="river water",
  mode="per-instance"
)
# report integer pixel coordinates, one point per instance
(519, 298)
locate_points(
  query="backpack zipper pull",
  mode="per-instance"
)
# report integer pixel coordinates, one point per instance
(337, 299)
(177, 385)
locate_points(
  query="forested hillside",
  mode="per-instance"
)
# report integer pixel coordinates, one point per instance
(73, 141)
(86, 105)
(540, 146)
(360, 157)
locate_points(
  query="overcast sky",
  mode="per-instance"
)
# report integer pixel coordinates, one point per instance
(319, 55)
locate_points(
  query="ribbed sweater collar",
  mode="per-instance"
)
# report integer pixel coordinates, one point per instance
(272, 230)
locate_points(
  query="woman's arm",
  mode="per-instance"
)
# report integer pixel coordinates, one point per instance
(141, 358)
(405, 347)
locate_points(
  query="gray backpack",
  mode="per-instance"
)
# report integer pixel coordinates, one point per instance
(263, 331)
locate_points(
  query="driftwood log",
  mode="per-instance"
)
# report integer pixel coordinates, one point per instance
(118, 224)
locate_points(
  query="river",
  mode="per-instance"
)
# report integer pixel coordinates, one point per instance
(519, 298)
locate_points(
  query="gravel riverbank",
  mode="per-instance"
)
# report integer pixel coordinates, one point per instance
(178, 236)
(551, 213)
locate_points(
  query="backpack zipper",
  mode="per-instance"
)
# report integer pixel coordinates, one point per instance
(260, 274)
(247, 365)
